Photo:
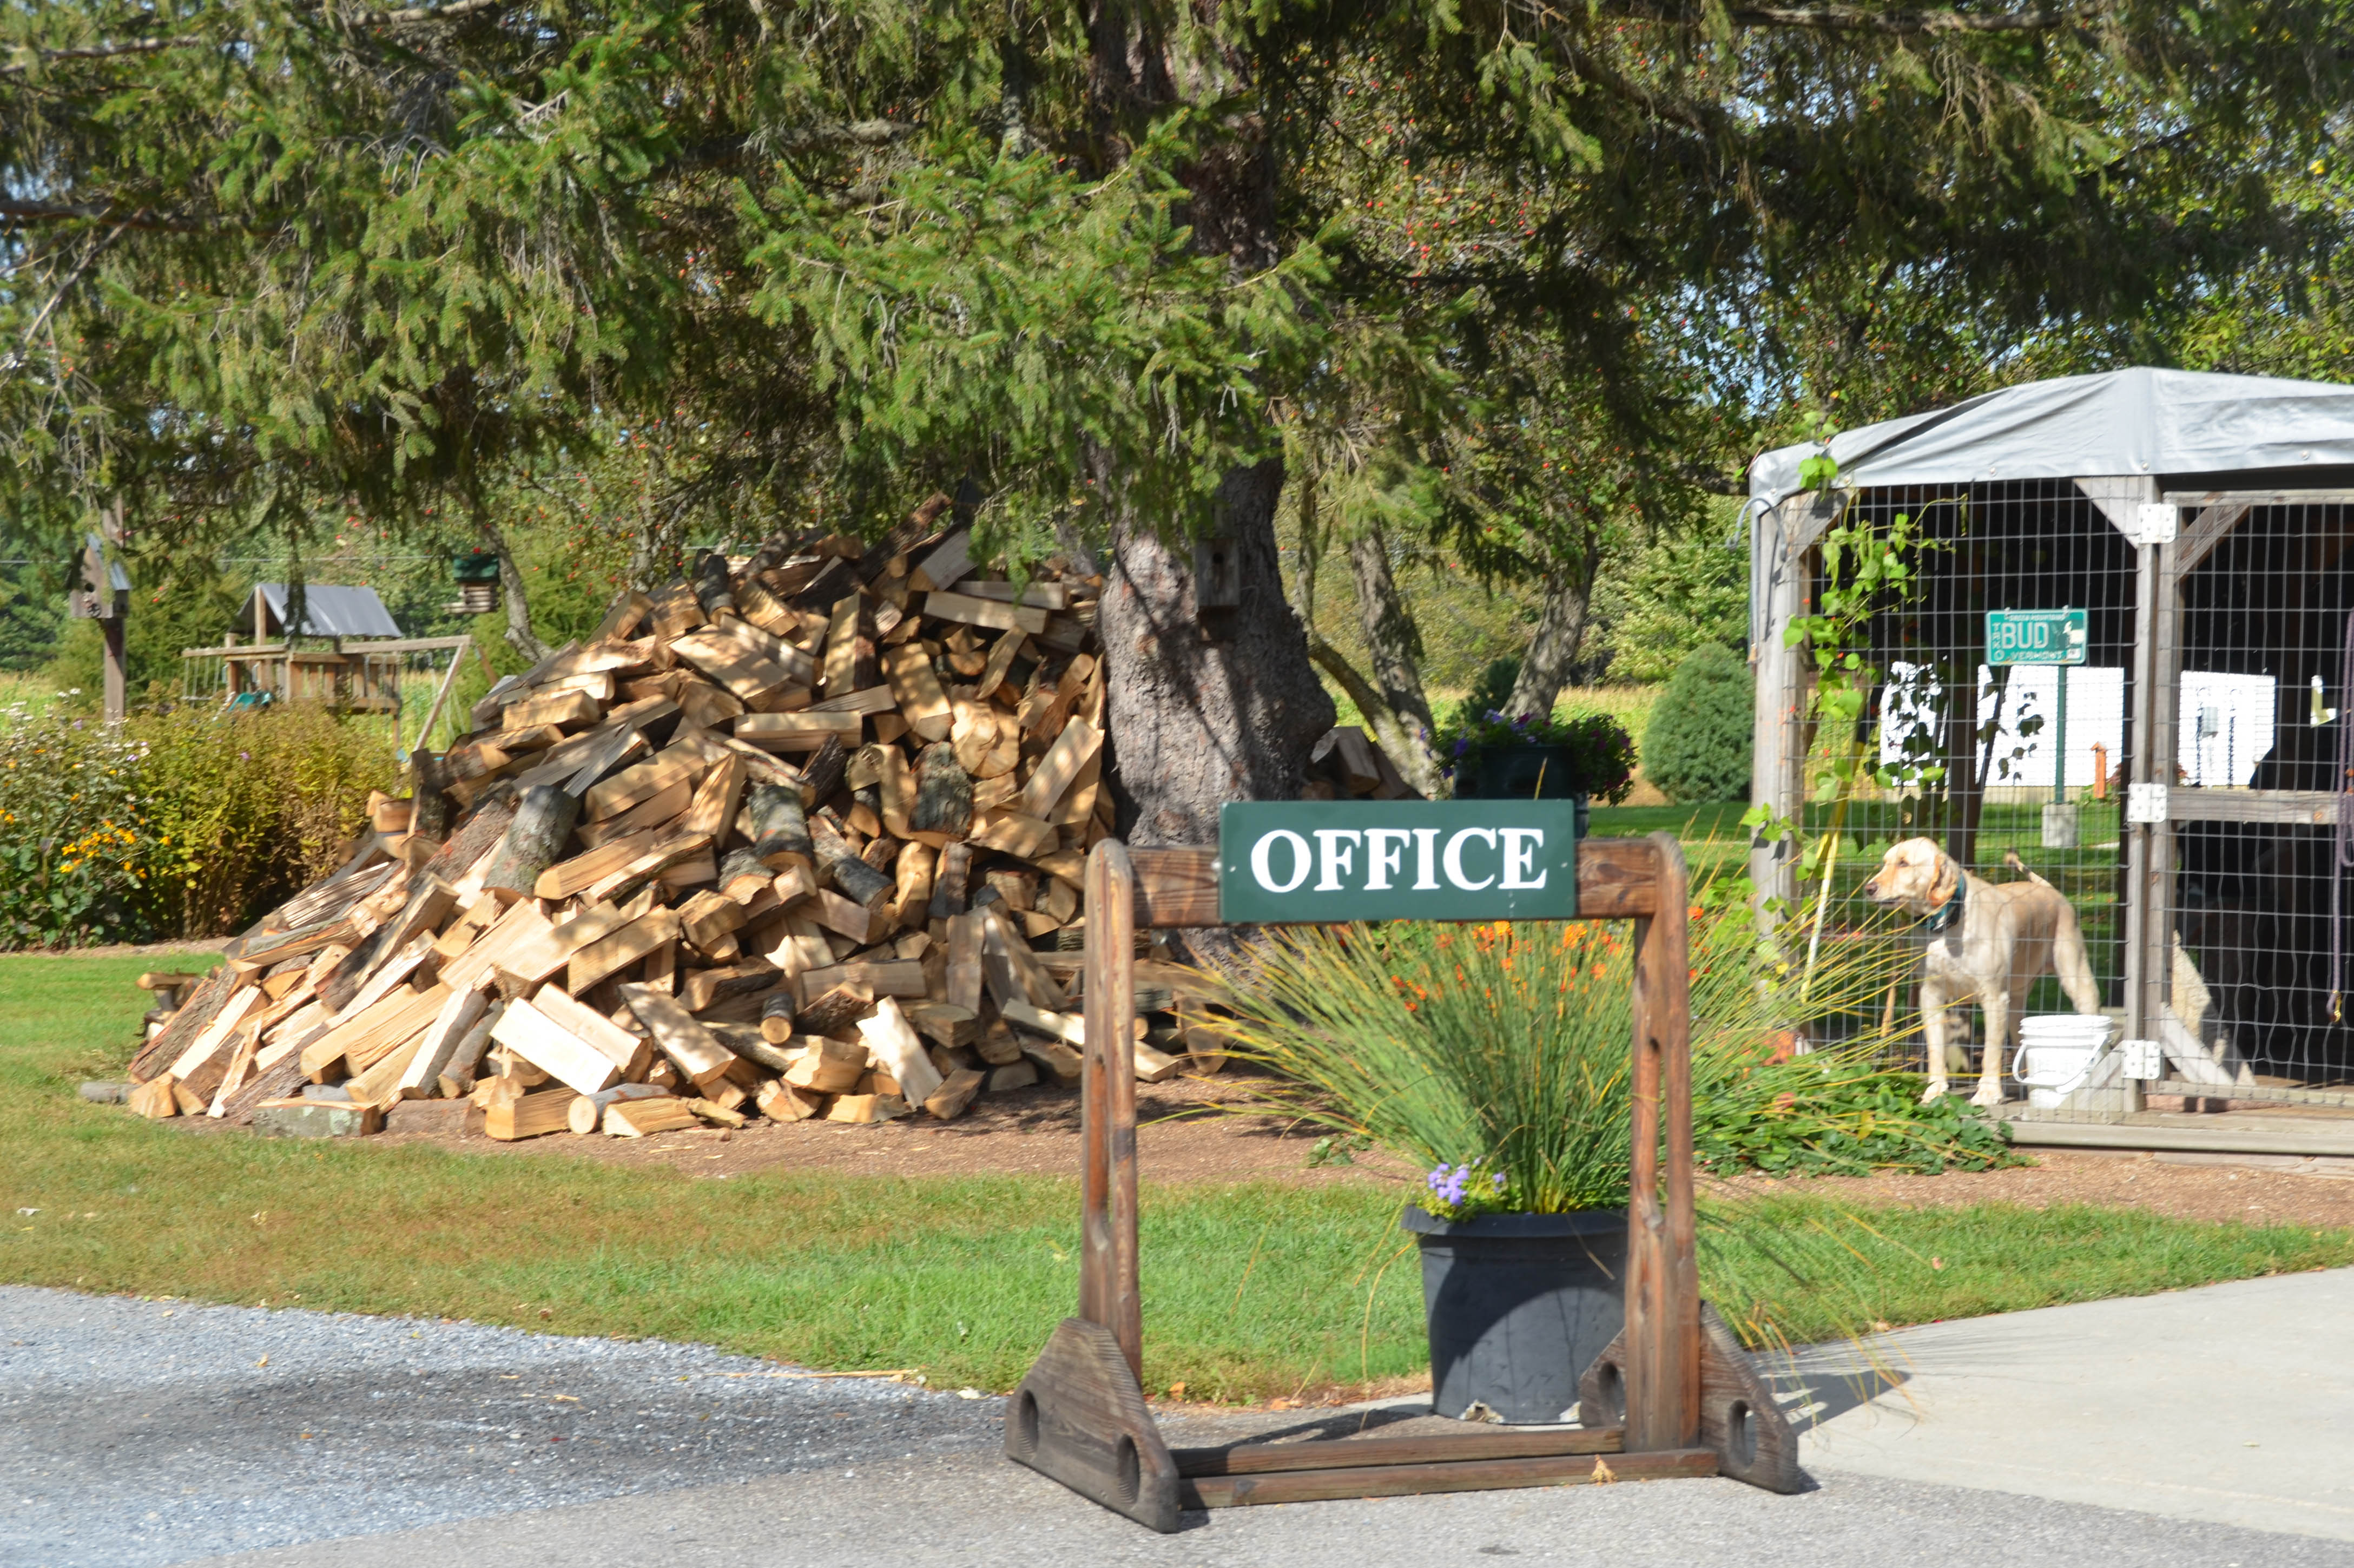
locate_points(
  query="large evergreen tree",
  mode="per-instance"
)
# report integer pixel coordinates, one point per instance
(1094, 259)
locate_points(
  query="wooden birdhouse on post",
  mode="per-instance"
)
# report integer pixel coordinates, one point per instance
(477, 576)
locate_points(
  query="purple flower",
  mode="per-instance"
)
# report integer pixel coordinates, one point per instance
(1462, 745)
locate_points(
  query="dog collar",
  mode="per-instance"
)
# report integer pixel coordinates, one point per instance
(1952, 909)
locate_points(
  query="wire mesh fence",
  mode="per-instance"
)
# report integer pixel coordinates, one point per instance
(1977, 756)
(2258, 739)
(2207, 877)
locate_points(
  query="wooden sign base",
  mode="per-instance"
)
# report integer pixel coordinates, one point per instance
(1681, 1397)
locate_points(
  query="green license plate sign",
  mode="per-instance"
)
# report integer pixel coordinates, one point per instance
(1316, 862)
(2035, 637)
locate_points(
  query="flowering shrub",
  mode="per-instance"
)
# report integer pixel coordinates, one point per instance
(1461, 1191)
(1601, 762)
(71, 837)
(176, 824)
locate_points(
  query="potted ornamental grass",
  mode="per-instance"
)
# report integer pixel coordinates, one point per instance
(1495, 1057)
(1534, 757)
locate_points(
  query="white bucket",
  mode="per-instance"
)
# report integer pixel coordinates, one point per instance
(2056, 1053)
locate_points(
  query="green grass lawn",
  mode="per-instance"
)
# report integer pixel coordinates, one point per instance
(1251, 1290)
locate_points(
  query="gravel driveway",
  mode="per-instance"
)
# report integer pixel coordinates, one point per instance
(136, 1433)
(148, 1431)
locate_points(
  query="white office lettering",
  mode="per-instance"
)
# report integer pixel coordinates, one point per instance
(1455, 858)
(1301, 861)
(1425, 860)
(1385, 854)
(1521, 846)
(1338, 858)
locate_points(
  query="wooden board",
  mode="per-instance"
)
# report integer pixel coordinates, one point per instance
(534, 1116)
(610, 955)
(986, 612)
(696, 1050)
(1458, 1475)
(634, 784)
(804, 731)
(1357, 1453)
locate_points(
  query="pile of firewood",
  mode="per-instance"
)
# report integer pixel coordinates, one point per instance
(802, 837)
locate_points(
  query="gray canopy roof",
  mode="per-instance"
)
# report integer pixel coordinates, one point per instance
(331, 611)
(2140, 421)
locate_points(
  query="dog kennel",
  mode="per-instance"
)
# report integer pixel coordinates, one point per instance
(2122, 663)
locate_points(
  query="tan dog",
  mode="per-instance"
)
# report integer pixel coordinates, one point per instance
(1991, 943)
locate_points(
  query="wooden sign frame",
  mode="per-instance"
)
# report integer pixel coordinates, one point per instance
(1683, 1396)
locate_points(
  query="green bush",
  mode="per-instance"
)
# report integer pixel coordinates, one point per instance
(1698, 745)
(176, 824)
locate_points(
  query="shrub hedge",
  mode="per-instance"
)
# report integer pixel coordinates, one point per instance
(1698, 745)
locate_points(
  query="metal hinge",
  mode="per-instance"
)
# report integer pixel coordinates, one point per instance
(2156, 522)
(2145, 1060)
(2145, 803)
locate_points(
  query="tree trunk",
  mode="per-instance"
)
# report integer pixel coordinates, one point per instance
(1394, 645)
(519, 632)
(1201, 716)
(1544, 668)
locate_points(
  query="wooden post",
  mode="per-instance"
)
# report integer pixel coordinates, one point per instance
(1777, 774)
(111, 612)
(1107, 1265)
(1663, 1335)
(441, 693)
(110, 631)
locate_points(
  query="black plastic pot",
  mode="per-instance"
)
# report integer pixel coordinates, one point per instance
(1520, 773)
(1519, 1305)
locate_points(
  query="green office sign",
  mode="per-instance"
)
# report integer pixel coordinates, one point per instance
(2035, 637)
(1316, 862)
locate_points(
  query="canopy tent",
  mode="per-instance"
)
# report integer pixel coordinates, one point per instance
(327, 612)
(2180, 786)
(2140, 422)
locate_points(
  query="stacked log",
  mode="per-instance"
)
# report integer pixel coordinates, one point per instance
(797, 836)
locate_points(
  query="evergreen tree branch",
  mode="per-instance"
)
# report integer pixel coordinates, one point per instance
(459, 11)
(15, 213)
(1899, 22)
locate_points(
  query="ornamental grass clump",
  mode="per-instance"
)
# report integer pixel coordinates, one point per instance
(1504, 1048)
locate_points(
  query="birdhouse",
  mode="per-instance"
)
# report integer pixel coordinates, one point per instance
(97, 587)
(477, 576)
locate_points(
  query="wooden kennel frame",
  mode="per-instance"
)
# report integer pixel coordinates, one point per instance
(1686, 1400)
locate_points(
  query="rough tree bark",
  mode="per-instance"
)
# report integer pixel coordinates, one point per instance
(1392, 641)
(1199, 714)
(1544, 668)
(1387, 626)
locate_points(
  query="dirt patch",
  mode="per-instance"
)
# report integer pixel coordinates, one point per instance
(2182, 1186)
(1181, 1136)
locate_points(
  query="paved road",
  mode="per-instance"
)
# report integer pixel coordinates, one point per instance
(148, 1433)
